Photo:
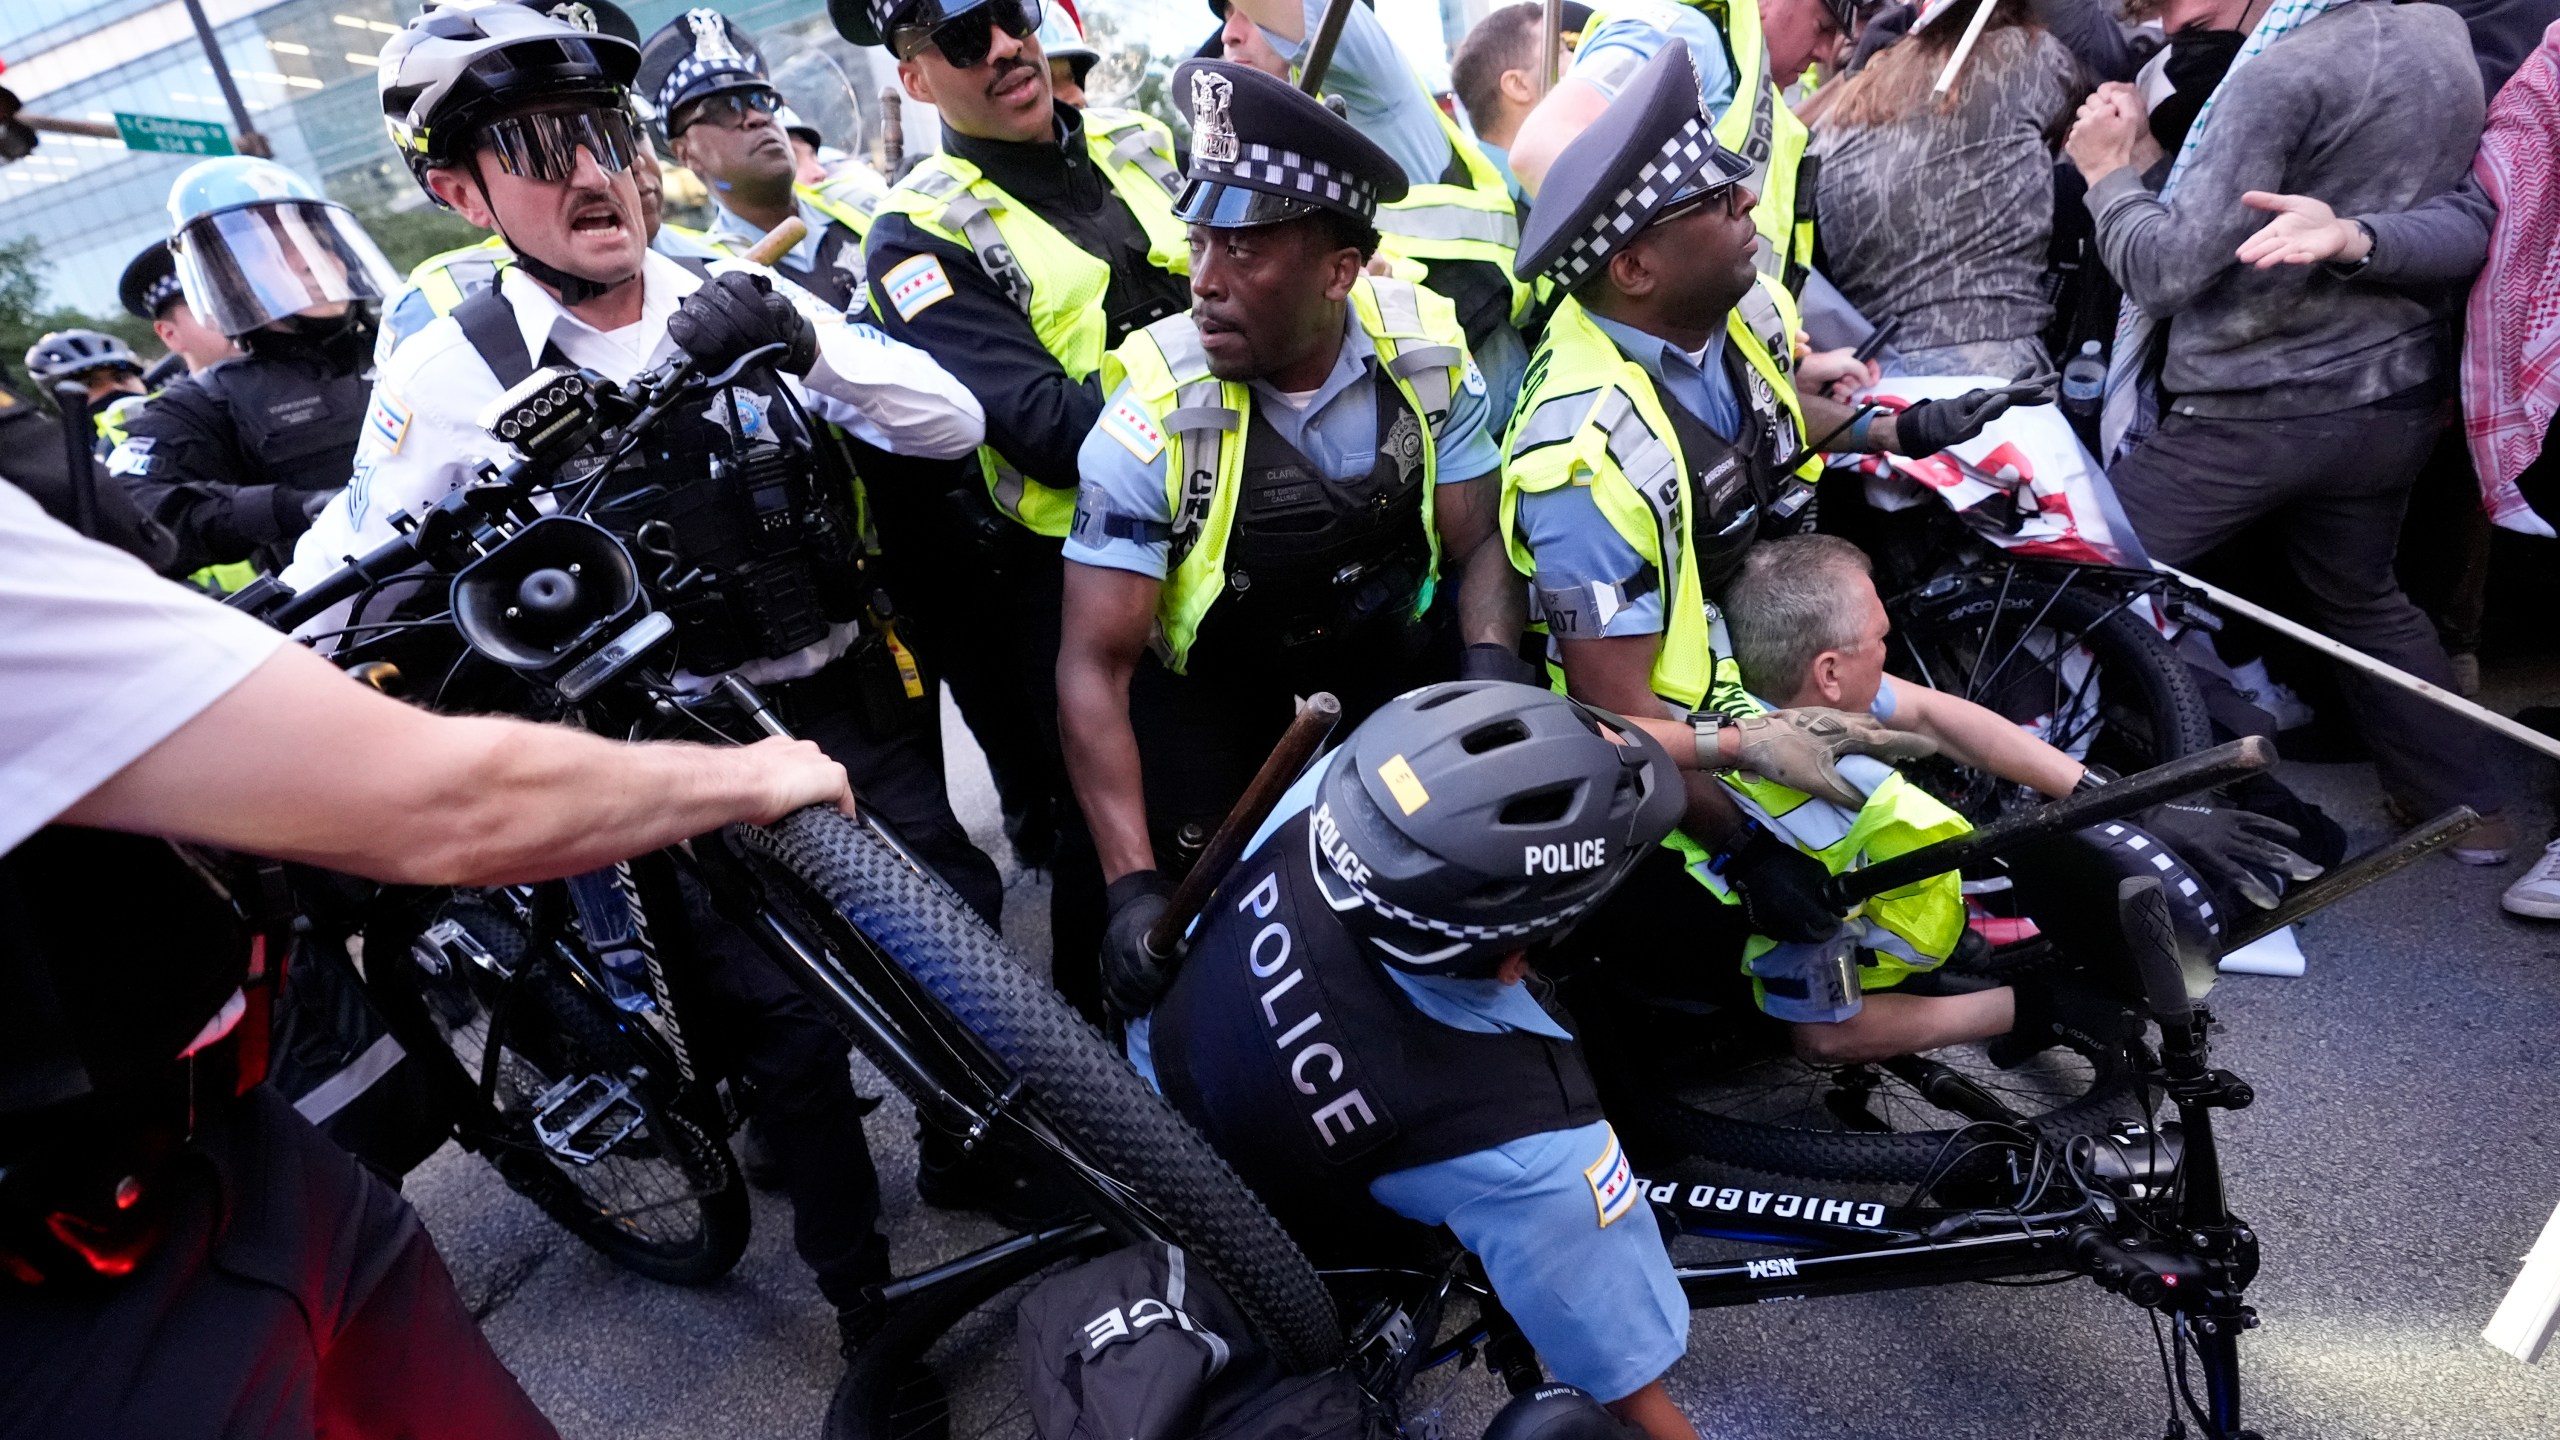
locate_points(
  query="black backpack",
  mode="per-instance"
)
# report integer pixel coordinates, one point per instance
(1140, 1346)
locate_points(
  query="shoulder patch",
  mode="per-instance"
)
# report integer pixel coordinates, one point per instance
(130, 457)
(1474, 378)
(386, 424)
(1130, 426)
(1613, 1185)
(915, 284)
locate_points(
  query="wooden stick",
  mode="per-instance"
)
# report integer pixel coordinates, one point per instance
(1964, 46)
(777, 242)
(2349, 655)
(1315, 720)
(893, 133)
(2322, 891)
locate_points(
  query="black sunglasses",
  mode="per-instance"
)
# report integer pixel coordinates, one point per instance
(544, 146)
(729, 110)
(1726, 195)
(965, 38)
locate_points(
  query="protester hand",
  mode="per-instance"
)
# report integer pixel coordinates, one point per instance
(1801, 748)
(1929, 426)
(1781, 890)
(2109, 133)
(794, 774)
(1133, 979)
(2244, 853)
(738, 311)
(2304, 232)
(1839, 374)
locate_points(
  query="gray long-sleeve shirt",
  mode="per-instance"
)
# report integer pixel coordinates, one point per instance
(2442, 242)
(2371, 107)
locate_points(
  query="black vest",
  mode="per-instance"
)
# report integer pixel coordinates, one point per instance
(1321, 570)
(1742, 490)
(295, 416)
(744, 541)
(1313, 1073)
(114, 952)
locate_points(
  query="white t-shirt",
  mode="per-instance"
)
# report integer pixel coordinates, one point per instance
(99, 661)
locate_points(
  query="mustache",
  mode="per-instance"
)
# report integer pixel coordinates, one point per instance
(1004, 72)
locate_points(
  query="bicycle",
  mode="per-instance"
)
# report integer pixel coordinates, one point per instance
(552, 608)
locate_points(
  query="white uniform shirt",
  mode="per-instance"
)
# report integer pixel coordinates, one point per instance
(421, 440)
(100, 660)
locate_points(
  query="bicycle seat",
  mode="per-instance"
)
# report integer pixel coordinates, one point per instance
(2068, 886)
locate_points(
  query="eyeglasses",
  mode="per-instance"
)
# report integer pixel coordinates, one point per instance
(729, 110)
(1728, 195)
(544, 146)
(966, 38)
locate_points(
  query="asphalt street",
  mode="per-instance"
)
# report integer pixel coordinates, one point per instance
(2397, 1164)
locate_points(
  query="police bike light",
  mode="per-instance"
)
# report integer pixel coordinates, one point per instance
(545, 409)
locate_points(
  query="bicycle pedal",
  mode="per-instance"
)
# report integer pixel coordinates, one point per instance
(599, 1115)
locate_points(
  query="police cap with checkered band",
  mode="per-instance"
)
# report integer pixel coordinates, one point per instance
(1651, 149)
(1467, 820)
(698, 54)
(1264, 151)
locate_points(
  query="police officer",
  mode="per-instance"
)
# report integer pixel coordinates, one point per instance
(1279, 479)
(1351, 1029)
(102, 365)
(236, 462)
(1747, 52)
(150, 291)
(1071, 55)
(721, 119)
(1034, 242)
(520, 124)
(181, 1255)
(1648, 370)
(1455, 227)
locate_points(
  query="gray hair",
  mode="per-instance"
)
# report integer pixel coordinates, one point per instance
(1789, 605)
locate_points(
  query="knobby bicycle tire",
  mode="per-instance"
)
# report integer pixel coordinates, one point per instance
(718, 1191)
(1081, 1086)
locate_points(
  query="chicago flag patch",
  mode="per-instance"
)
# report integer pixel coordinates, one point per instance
(1613, 1185)
(1130, 426)
(915, 285)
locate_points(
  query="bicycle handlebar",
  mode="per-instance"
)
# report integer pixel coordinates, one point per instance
(2220, 765)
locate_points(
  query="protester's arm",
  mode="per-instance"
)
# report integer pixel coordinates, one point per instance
(2443, 241)
(1975, 737)
(301, 763)
(1567, 111)
(1376, 84)
(2166, 255)
(1493, 602)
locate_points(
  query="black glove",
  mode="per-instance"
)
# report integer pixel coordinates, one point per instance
(736, 312)
(1133, 980)
(2248, 855)
(1781, 890)
(1485, 660)
(1930, 426)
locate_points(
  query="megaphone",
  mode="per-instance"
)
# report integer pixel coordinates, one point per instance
(541, 597)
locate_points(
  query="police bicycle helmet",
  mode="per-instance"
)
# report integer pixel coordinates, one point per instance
(455, 68)
(1464, 821)
(70, 354)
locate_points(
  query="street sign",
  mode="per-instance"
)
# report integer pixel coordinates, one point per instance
(177, 137)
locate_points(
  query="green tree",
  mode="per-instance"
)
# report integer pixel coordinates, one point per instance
(24, 318)
(409, 236)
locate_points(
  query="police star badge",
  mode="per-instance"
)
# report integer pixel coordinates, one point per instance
(1213, 134)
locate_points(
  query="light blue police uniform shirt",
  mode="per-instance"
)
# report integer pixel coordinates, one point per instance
(1634, 31)
(1383, 97)
(1337, 431)
(1599, 1301)
(1571, 543)
(1501, 158)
